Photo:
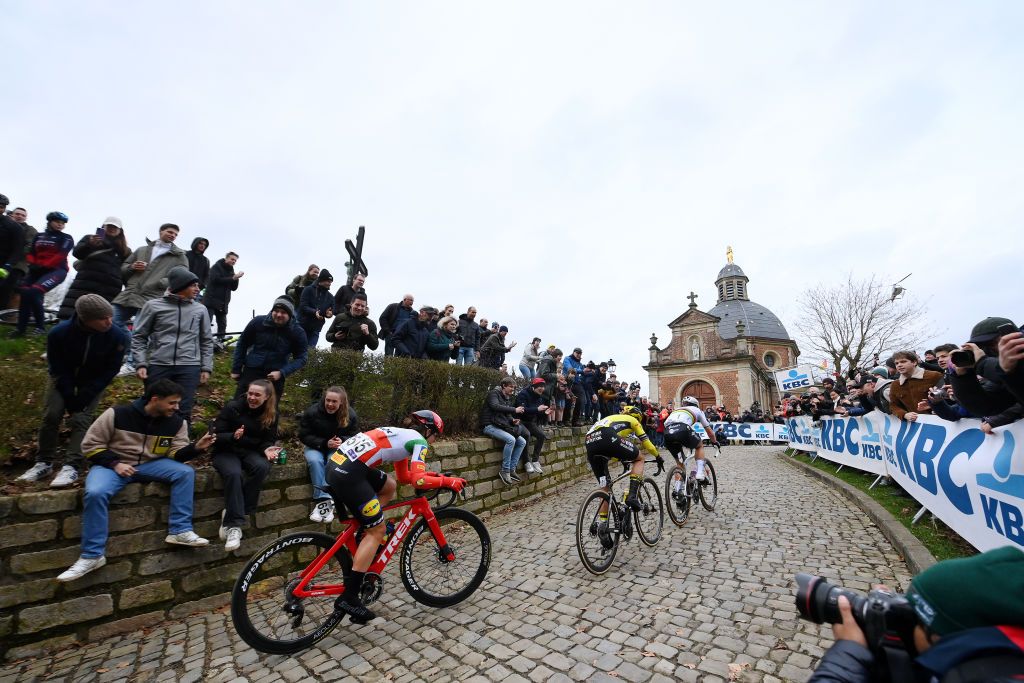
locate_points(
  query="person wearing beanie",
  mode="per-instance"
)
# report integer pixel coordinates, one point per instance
(99, 257)
(145, 276)
(271, 347)
(316, 305)
(172, 339)
(970, 618)
(83, 355)
(492, 353)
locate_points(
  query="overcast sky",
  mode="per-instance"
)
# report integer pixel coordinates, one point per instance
(571, 169)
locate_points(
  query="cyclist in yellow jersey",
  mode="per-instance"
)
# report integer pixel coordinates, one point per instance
(609, 438)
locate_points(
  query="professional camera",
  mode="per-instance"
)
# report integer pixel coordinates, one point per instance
(887, 619)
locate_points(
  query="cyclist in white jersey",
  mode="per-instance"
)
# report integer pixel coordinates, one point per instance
(679, 432)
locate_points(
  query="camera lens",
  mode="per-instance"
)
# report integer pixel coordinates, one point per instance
(817, 600)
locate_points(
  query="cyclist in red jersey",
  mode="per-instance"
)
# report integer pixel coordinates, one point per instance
(357, 483)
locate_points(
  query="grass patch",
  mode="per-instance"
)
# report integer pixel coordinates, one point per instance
(941, 541)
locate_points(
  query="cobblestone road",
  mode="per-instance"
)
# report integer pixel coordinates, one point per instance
(712, 602)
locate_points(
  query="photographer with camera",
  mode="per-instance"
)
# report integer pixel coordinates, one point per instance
(984, 381)
(962, 620)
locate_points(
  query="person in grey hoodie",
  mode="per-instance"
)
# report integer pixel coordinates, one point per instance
(173, 340)
(145, 275)
(528, 363)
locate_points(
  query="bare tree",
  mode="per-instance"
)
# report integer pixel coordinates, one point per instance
(852, 322)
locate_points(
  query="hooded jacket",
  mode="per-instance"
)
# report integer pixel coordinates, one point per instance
(99, 272)
(317, 427)
(314, 299)
(173, 330)
(528, 399)
(497, 410)
(126, 434)
(266, 345)
(12, 242)
(198, 263)
(82, 362)
(410, 339)
(150, 283)
(221, 283)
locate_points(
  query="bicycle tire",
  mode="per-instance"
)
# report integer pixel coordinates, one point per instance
(678, 506)
(708, 488)
(588, 514)
(259, 599)
(650, 520)
(467, 537)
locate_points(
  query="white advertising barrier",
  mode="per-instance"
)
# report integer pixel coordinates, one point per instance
(743, 431)
(852, 441)
(794, 380)
(800, 433)
(972, 481)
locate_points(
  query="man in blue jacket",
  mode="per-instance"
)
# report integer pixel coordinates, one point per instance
(316, 306)
(410, 337)
(574, 362)
(264, 349)
(84, 354)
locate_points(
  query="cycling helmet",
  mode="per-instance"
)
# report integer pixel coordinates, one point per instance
(633, 412)
(429, 419)
(690, 401)
(57, 216)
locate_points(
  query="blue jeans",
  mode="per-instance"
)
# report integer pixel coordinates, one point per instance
(103, 483)
(185, 375)
(466, 356)
(317, 461)
(122, 316)
(526, 372)
(514, 446)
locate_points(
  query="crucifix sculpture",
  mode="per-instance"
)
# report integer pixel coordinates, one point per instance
(693, 300)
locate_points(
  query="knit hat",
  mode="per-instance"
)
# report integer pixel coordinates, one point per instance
(92, 307)
(881, 371)
(179, 278)
(968, 592)
(285, 305)
(325, 276)
(502, 329)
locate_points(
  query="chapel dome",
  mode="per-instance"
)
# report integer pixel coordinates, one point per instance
(734, 305)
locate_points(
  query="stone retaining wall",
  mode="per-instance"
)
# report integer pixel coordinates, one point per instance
(147, 581)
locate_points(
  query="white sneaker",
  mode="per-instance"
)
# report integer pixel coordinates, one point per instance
(189, 538)
(528, 467)
(36, 472)
(67, 476)
(125, 371)
(317, 515)
(328, 513)
(537, 468)
(81, 567)
(234, 539)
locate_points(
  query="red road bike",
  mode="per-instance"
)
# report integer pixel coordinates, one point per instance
(283, 601)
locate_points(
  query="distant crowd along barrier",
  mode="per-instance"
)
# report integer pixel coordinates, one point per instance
(972, 481)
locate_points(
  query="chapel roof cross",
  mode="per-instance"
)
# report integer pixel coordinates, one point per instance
(693, 299)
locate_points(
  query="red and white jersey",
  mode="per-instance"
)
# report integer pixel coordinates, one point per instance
(385, 445)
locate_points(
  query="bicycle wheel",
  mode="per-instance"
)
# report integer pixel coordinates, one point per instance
(428, 572)
(709, 487)
(678, 504)
(595, 554)
(650, 519)
(265, 613)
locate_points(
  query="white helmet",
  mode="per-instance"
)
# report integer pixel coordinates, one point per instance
(690, 401)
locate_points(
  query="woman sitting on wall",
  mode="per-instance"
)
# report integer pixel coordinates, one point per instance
(323, 427)
(246, 431)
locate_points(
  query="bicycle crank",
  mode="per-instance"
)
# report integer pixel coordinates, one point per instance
(373, 586)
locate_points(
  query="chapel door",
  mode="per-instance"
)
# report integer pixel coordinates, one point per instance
(702, 391)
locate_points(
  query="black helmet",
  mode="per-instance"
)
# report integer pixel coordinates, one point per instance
(57, 216)
(429, 419)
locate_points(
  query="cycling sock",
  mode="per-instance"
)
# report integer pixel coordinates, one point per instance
(677, 485)
(700, 469)
(634, 486)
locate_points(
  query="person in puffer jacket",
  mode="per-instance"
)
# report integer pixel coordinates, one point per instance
(271, 347)
(172, 338)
